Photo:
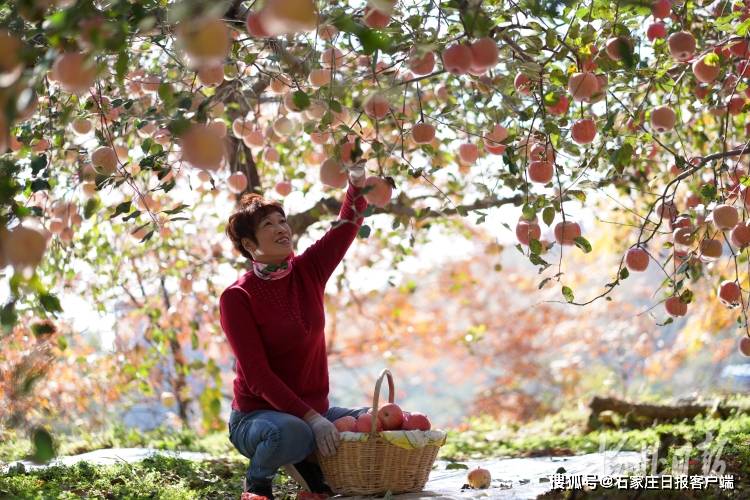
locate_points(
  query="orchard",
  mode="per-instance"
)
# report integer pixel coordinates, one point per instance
(127, 128)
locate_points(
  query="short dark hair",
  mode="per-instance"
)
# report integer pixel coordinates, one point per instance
(244, 222)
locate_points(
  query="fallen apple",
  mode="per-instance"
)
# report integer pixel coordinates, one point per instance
(479, 478)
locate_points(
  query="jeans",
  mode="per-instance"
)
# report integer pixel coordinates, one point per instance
(272, 439)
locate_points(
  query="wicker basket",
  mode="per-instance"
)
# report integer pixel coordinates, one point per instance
(376, 466)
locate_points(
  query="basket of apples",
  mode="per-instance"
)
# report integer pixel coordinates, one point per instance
(385, 449)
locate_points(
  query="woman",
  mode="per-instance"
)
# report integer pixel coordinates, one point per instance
(273, 318)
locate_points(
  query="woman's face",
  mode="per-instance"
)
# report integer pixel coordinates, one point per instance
(274, 239)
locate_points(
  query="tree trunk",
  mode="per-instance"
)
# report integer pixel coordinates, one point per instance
(643, 415)
(179, 383)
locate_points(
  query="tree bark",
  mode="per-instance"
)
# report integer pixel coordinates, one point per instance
(179, 382)
(640, 414)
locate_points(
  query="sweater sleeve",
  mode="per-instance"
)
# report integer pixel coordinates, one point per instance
(325, 254)
(242, 333)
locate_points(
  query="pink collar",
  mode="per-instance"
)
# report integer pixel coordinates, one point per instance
(273, 271)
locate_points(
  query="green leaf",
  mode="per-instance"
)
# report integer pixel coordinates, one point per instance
(40, 185)
(364, 231)
(38, 163)
(122, 208)
(50, 302)
(535, 246)
(537, 261)
(548, 215)
(708, 192)
(91, 207)
(624, 273)
(121, 65)
(146, 145)
(583, 244)
(456, 465)
(622, 156)
(301, 100)
(373, 40)
(178, 126)
(131, 216)
(166, 93)
(529, 212)
(8, 316)
(712, 59)
(669, 320)
(567, 293)
(578, 194)
(544, 282)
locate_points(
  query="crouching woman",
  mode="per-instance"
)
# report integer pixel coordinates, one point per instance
(273, 317)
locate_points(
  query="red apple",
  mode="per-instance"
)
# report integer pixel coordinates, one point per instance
(416, 422)
(730, 293)
(364, 423)
(744, 346)
(346, 424)
(391, 416)
(675, 307)
(479, 478)
(636, 259)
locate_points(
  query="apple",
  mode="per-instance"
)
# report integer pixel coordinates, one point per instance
(415, 421)
(527, 230)
(479, 478)
(346, 424)
(744, 346)
(636, 259)
(675, 307)
(391, 416)
(364, 423)
(730, 293)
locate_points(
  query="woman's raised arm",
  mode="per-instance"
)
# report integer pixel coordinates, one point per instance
(325, 254)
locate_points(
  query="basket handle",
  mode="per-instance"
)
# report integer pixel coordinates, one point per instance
(376, 395)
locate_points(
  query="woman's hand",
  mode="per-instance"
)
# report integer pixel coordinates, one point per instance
(357, 174)
(326, 434)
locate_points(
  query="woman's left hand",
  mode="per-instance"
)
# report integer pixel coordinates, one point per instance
(357, 174)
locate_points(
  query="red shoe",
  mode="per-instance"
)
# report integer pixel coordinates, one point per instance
(306, 495)
(252, 496)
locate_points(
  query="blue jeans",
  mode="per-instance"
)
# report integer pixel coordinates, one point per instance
(272, 439)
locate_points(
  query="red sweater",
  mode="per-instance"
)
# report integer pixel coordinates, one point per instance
(275, 327)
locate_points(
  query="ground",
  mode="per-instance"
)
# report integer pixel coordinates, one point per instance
(480, 440)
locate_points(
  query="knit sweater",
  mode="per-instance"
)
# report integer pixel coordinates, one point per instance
(275, 327)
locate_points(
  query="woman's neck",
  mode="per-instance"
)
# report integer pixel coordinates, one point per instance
(271, 260)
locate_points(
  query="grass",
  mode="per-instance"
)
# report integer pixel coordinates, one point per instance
(565, 433)
(158, 477)
(480, 437)
(17, 446)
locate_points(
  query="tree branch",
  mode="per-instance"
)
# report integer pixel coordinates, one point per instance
(401, 207)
